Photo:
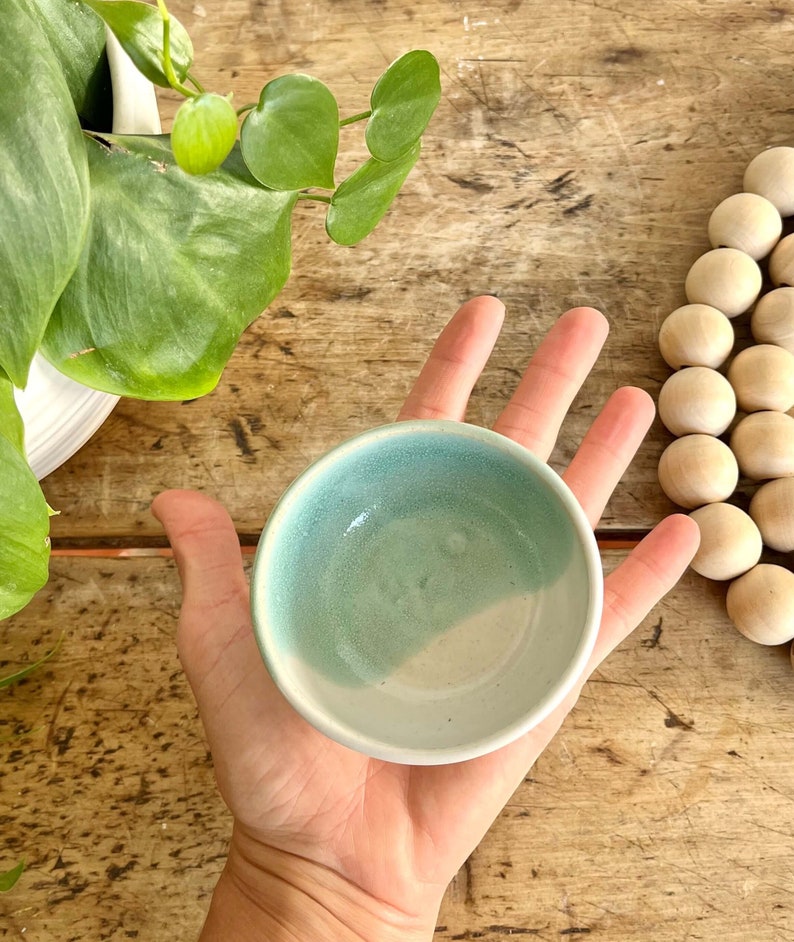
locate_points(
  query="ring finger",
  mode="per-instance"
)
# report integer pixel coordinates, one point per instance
(608, 448)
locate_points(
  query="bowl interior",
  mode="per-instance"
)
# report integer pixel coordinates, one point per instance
(424, 590)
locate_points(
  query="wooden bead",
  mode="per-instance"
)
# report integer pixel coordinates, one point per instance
(730, 543)
(763, 443)
(696, 470)
(771, 174)
(772, 320)
(726, 279)
(748, 222)
(761, 604)
(781, 263)
(696, 335)
(697, 399)
(772, 508)
(762, 377)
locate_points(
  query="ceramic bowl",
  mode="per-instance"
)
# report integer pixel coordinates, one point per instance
(426, 592)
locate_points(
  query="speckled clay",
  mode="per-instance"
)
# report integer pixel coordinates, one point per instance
(426, 592)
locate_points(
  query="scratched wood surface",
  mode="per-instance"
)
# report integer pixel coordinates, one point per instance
(663, 810)
(575, 157)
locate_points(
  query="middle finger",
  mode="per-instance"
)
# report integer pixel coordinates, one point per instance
(552, 379)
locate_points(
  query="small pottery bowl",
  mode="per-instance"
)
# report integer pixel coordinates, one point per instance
(426, 592)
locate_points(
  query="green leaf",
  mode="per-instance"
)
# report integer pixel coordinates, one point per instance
(24, 521)
(11, 426)
(403, 101)
(175, 268)
(77, 37)
(26, 671)
(289, 141)
(44, 192)
(362, 200)
(203, 133)
(10, 877)
(138, 27)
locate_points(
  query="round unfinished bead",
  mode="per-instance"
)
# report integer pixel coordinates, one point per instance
(772, 508)
(763, 443)
(762, 377)
(696, 335)
(748, 222)
(781, 263)
(730, 543)
(771, 174)
(772, 320)
(761, 604)
(697, 399)
(696, 470)
(726, 279)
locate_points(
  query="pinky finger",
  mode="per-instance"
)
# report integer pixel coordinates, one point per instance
(647, 574)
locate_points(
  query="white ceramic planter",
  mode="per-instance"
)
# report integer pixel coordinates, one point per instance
(60, 415)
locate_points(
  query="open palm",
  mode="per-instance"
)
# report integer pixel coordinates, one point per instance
(399, 833)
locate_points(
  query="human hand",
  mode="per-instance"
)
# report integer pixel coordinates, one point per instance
(328, 843)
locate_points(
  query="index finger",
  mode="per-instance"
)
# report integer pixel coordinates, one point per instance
(458, 357)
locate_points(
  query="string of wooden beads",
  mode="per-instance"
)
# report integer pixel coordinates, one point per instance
(744, 397)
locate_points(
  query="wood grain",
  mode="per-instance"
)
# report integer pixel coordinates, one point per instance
(662, 809)
(574, 159)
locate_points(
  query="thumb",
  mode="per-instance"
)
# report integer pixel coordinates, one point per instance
(215, 613)
(240, 706)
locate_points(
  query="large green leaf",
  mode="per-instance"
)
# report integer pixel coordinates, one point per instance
(138, 27)
(77, 37)
(403, 101)
(24, 517)
(289, 141)
(11, 425)
(44, 189)
(175, 268)
(361, 201)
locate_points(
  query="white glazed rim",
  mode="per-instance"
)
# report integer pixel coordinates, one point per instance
(345, 734)
(59, 414)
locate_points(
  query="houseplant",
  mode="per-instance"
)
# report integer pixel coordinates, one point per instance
(134, 263)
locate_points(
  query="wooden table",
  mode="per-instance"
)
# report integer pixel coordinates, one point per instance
(576, 155)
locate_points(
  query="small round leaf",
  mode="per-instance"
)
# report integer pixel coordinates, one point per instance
(204, 132)
(403, 101)
(362, 200)
(290, 140)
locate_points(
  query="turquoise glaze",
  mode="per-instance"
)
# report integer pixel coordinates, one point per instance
(419, 560)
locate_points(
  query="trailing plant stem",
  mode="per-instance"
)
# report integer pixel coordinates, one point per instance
(168, 66)
(356, 117)
(195, 83)
(317, 197)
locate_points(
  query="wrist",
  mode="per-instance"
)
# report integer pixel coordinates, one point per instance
(274, 896)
